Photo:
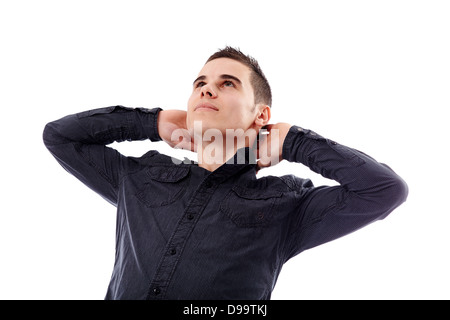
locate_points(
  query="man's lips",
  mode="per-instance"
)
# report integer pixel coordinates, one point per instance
(206, 106)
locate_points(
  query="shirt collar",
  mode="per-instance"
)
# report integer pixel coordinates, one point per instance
(243, 161)
(244, 156)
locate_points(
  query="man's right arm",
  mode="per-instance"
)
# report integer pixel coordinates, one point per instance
(78, 142)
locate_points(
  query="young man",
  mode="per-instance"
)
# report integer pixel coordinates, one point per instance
(211, 229)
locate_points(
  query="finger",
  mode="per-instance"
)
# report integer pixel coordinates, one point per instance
(181, 139)
(268, 127)
(186, 145)
(264, 162)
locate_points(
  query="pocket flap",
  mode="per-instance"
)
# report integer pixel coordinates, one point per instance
(168, 173)
(256, 194)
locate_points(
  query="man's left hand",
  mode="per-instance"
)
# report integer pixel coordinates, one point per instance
(270, 146)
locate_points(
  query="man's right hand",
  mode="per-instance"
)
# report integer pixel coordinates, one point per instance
(172, 129)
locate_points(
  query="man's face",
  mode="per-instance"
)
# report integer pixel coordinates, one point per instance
(222, 97)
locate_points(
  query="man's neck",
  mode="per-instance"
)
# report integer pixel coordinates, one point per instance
(213, 152)
(213, 155)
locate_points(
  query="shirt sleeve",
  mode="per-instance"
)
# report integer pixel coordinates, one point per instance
(79, 143)
(367, 190)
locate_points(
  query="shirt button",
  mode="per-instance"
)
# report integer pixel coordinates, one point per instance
(156, 291)
(190, 216)
(208, 184)
(173, 251)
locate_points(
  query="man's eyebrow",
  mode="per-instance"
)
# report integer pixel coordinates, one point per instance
(229, 76)
(198, 79)
(223, 76)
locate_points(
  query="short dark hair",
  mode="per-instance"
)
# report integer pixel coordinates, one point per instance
(261, 87)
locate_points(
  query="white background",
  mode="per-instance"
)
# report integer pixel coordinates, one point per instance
(373, 75)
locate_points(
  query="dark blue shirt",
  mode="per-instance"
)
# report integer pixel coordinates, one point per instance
(184, 232)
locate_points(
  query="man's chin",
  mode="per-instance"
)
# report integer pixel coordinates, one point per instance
(211, 131)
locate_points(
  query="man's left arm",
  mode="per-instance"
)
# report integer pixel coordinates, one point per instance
(368, 190)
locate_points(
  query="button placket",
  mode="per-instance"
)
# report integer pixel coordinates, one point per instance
(156, 291)
(175, 246)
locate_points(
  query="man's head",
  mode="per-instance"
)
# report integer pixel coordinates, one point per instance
(230, 92)
(260, 85)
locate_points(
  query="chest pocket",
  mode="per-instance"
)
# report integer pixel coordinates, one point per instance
(163, 185)
(249, 207)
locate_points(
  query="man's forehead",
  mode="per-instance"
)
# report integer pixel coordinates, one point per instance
(220, 66)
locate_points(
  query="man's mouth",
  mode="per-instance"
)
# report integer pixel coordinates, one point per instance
(204, 106)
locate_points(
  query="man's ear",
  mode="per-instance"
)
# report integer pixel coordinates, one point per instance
(263, 115)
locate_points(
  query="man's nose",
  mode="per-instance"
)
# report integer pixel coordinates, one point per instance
(207, 91)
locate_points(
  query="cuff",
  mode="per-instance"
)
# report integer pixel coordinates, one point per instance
(294, 133)
(150, 123)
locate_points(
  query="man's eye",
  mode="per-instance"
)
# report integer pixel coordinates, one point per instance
(200, 84)
(228, 84)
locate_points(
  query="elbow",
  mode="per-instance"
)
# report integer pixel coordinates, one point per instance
(46, 135)
(50, 136)
(385, 196)
(395, 193)
(399, 191)
(403, 190)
